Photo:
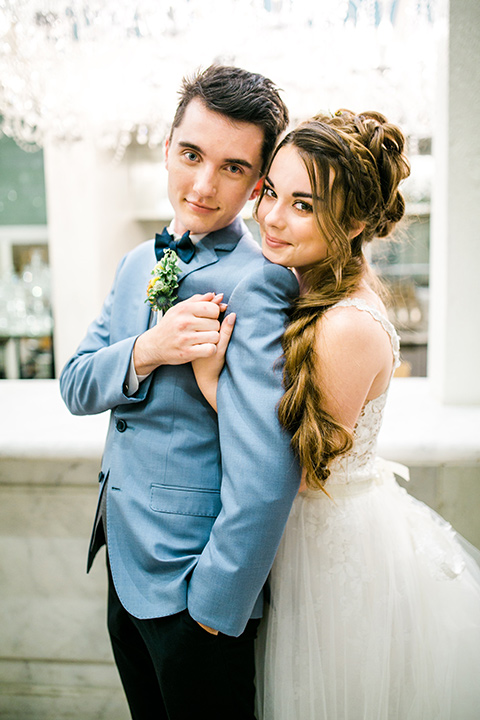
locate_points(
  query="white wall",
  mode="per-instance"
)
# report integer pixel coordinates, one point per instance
(454, 340)
(91, 226)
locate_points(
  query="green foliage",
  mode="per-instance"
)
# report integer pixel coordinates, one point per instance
(161, 288)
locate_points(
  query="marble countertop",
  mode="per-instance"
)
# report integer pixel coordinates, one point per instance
(417, 430)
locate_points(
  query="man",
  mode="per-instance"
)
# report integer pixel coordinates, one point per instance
(193, 505)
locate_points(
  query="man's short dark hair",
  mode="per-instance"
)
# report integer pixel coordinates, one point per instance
(239, 95)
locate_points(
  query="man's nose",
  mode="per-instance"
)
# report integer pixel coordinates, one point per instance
(205, 181)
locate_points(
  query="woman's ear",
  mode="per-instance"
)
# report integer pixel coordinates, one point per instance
(357, 228)
(256, 190)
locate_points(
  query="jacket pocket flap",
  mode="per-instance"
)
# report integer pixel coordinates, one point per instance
(185, 501)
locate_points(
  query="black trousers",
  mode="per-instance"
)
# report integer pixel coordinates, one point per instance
(172, 669)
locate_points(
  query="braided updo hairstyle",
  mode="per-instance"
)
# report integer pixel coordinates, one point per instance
(366, 155)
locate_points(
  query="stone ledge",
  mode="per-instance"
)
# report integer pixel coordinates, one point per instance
(417, 429)
(35, 423)
(49, 472)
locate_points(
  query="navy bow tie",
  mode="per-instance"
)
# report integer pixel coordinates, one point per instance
(184, 247)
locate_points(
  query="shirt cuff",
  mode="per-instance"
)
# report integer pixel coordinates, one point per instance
(132, 381)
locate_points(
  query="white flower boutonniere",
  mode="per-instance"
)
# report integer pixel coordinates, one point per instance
(162, 286)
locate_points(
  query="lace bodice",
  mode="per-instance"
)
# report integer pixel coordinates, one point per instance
(359, 465)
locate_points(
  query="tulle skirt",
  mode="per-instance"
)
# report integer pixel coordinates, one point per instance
(374, 613)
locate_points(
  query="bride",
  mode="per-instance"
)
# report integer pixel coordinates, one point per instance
(374, 610)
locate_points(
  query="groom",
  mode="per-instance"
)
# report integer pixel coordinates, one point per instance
(192, 506)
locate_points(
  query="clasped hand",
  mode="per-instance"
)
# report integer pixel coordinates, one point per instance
(188, 331)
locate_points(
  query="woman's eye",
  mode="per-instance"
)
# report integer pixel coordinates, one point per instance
(269, 192)
(303, 206)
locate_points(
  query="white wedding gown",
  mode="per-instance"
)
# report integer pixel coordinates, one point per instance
(374, 610)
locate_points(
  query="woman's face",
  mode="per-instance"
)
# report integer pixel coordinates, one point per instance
(290, 236)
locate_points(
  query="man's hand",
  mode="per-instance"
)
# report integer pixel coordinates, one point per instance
(208, 629)
(189, 330)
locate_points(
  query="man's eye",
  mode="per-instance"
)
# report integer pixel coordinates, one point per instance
(235, 169)
(190, 155)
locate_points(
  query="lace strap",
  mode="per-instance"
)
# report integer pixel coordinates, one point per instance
(361, 304)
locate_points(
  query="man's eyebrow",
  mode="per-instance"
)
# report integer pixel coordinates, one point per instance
(294, 194)
(231, 161)
(190, 145)
(239, 161)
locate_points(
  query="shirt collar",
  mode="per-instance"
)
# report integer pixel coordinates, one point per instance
(176, 236)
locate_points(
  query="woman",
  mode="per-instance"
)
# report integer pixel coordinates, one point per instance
(375, 607)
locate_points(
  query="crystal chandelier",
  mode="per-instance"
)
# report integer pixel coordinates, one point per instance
(110, 69)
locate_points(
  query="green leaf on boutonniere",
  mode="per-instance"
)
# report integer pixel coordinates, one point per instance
(161, 288)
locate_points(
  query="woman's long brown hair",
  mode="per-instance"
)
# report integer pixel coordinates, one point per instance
(366, 155)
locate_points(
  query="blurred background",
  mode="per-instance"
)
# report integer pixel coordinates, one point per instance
(86, 85)
(88, 89)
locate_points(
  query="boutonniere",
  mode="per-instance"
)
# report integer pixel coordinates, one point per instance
(162, 286)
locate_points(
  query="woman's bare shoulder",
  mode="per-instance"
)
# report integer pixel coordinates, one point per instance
(352, 327)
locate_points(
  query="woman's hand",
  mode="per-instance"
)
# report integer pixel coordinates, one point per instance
(207, 370)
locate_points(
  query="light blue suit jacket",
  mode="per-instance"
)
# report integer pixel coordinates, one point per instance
(196, 504)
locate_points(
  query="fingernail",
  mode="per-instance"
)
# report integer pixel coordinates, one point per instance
(218, 297)
(231, 318)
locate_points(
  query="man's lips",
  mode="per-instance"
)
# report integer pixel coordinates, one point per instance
(199, 207)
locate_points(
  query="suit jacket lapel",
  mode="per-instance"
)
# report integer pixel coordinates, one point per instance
(144, 314)
(225, 239)
(203, 256)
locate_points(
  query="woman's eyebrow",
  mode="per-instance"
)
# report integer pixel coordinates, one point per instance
(294, 194)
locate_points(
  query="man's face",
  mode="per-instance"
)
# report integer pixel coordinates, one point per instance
(213, 168)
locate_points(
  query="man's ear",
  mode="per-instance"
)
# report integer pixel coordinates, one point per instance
(256, 190)
(165, 151)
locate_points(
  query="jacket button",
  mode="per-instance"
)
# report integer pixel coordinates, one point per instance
(121, 425)
(100, 477)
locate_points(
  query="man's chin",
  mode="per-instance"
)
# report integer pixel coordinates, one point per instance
(198, 226)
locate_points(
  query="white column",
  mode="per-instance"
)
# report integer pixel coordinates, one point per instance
(454, 341)
(91, 226)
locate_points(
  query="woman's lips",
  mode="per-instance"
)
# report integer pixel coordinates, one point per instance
(275, 242)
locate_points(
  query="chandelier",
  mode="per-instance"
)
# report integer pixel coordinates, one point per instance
(110, 69)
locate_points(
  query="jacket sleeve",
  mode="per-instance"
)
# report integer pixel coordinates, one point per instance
(93, 380)
(260, 477)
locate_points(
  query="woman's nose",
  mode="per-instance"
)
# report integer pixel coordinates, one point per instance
(275, 215)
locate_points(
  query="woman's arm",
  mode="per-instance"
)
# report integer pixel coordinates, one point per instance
(207, 370)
